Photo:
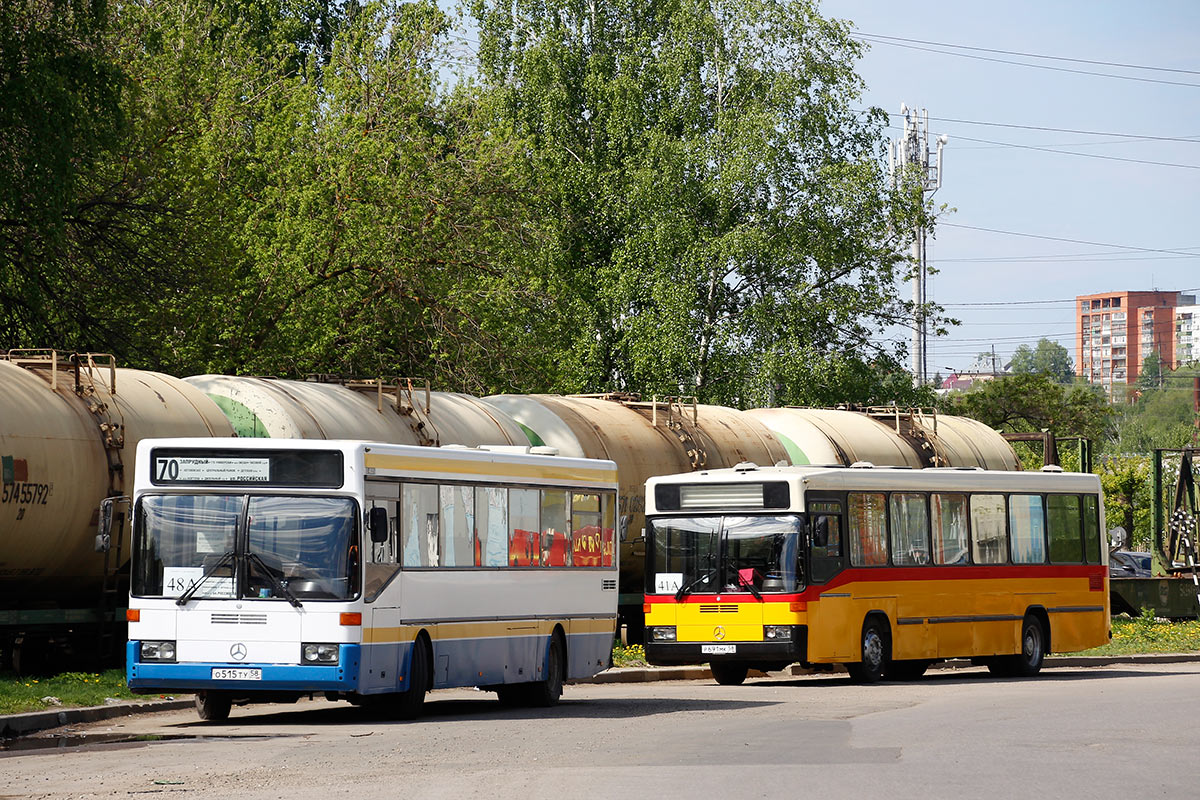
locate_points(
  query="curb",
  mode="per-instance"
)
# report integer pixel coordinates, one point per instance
(15, 725)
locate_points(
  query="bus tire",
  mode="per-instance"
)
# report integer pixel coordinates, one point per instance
(213, 706)
(410, 702)
(1028, 662)
(545, 693)
(729, 673)
(875, 653)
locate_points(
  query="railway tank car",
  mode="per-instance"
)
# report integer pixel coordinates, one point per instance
(396, 412)
(888, 436)
(71, 424)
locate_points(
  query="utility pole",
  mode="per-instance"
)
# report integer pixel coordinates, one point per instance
(907, 156)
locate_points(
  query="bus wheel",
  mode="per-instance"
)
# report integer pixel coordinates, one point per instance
(1028, 662)
(411, 700)
(544, 694)
(213, 706)
(874, 654)
(729, 674)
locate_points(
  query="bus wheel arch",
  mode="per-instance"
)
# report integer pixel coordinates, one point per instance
(409, 702)
(547, 691)
(875, 649)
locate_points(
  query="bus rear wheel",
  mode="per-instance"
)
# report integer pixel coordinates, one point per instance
(545, 693)
(875, 654)
(1028, 662)
(213, 706)
(729, 674)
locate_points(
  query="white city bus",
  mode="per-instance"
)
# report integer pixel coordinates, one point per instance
(270, 569)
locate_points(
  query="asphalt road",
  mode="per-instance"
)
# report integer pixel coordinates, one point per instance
(1120, 731)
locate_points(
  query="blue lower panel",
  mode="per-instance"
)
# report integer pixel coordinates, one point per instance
(153, 676)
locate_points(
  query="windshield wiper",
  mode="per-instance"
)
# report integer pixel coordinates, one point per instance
(749, 584)
(687, 587)
(280, 586)
(182, 600)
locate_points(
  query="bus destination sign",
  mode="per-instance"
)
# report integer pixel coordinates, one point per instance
(191, 469)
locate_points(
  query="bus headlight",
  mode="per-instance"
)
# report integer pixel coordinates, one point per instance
(158, 651)
(662, 633)
(319, 653)
(777, 633)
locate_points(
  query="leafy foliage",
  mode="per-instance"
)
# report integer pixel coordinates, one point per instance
(715, 214)
(1030, 403)
(1048, 358)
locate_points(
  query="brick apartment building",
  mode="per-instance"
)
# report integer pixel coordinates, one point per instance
(1116, 331)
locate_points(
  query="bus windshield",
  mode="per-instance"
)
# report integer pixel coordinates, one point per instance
(234, 546)
(758, 554)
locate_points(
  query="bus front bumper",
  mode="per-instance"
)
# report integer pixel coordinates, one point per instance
(152, 676)
(772, 654)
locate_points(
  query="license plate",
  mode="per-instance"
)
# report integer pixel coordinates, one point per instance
(229, 674)
(718, 649)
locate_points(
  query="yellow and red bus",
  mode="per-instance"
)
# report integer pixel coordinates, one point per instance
(884, 570)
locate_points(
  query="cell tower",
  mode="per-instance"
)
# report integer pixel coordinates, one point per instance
(907, 156)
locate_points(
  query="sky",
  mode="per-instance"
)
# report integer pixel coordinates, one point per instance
(1028, 230)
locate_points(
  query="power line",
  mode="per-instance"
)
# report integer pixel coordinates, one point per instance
(1082, 155)
(866, 38)
(1061, 239)
(1032, 55)
(1189, 139)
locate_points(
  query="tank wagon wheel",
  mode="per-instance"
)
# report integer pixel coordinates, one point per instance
(213, 706)
(876, 653)
(408, 704)
(1028, 662)
(729, 674)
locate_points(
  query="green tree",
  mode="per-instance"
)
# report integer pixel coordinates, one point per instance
(1030, 403)
(1128, 498)
(1161, 417)
(715, 213)
(1150, 376)
(1048, 358)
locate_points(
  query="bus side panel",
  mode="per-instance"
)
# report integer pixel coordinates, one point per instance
(382, 651)
(589, 646)
(912, 635)
(833, 634)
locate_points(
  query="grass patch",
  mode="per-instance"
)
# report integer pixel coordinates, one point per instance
(73, 689)
(1146, 634)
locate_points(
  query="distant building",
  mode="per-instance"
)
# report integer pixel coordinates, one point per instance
(1187, 335)
(1116, 331)
(961, 381)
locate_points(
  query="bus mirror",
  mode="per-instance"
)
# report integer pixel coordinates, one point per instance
(377, 522)
(821, 532)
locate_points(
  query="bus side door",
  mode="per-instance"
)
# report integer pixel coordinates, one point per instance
(830, 616)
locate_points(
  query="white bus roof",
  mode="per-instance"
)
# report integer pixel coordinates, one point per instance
(882, 479)
(394, 460)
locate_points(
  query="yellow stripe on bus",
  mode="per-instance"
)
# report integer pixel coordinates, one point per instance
(486, 630)
(410, 464)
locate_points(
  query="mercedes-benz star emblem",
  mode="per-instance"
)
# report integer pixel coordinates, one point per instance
(238, 651)
(718, 633)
